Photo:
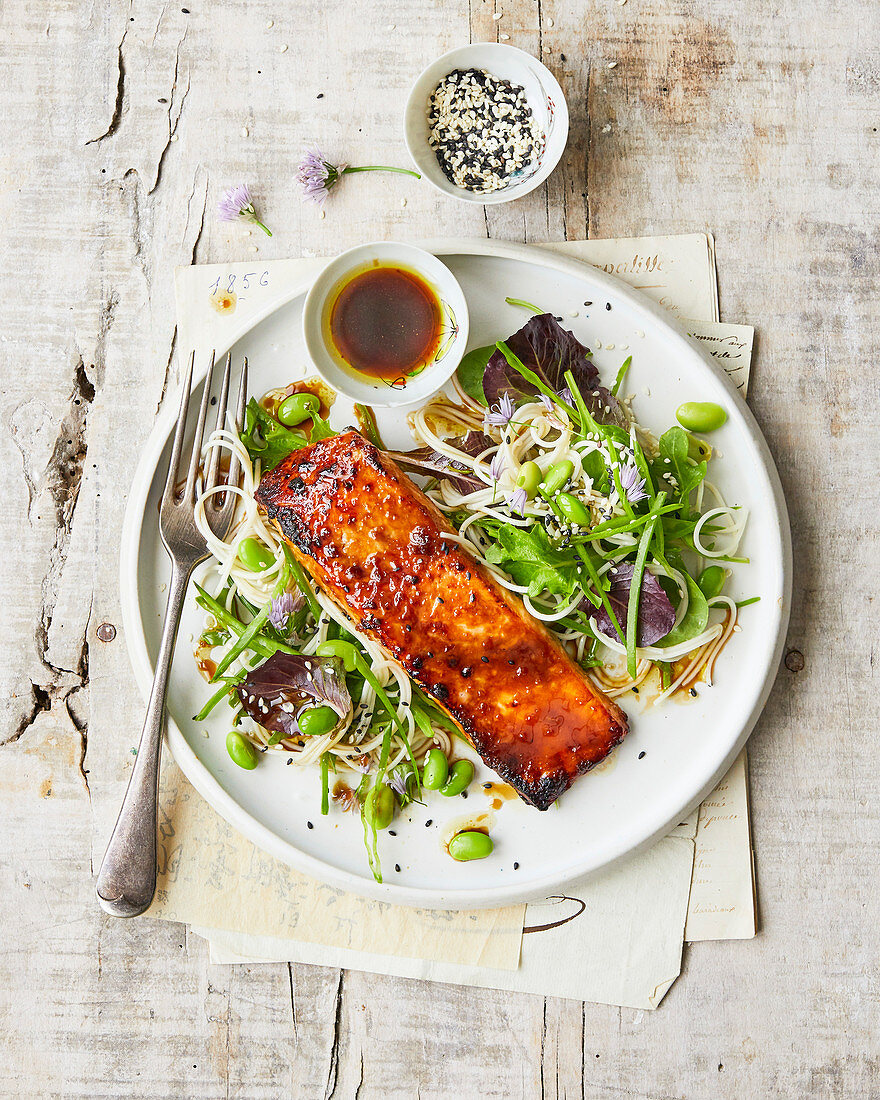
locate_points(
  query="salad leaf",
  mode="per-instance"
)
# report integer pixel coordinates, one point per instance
(656, 613)
(549, 350)
(277, 690)
(470, 372)
(425, 460)
(673, 447)
(527, 556)
(695, 619)
(266, 439)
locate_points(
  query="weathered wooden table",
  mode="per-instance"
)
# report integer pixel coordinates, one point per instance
(120, 125)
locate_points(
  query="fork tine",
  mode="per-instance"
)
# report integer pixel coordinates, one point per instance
(189, 494)
(177, 446)
(221, 518)
(239, 418)
(214, 460)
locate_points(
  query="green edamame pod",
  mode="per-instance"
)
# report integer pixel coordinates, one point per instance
(573, 509)
(471, 844)
(241, 751)
(700, 416)
(530, 478)
(298, 407)
(711, 581)
(317, 720)
(379, 807)
(436, 770)
(557, 476)
(459, 778)
(254, 555)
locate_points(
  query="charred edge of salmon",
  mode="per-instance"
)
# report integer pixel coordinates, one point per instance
(541, 793)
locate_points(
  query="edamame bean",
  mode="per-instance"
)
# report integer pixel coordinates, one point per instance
(711, 581)
(379, 807)
(436, 770)
(317, 720)
(471, 844)
(298, 407)
(459, 777)
(557, 476)
(530, 478)
(573, 509)
(700, 416)
(254, 555)
(698, 449)
(345, 651)
(241, 751)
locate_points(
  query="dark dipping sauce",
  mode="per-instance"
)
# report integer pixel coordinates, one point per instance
(385, 323)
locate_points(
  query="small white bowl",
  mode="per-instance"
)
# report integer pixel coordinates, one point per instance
(357, 386)
(507, 62)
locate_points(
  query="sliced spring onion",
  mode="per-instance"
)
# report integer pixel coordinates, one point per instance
(635, 592)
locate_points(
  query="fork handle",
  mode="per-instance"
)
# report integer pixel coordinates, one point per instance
(127, 879)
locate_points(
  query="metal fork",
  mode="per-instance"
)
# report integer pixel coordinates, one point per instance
(127, 879)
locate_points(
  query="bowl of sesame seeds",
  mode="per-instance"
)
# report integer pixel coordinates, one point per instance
(486, 123)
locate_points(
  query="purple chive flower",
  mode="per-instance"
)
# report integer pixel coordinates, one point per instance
(398, 782)
(632, 483)
(282, 608)
(565, 395)
(237, 203)
(361, 764)
(548, 402)
(499, 415)
(317, 176)
(496, 467)
(517, 501)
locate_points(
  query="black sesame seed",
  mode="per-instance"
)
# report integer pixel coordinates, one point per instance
(635, 691)
(391, 832)
(429, 822)
(320, 95)
(608, 305)
(516, 866)
(464, 794)
(397, 867)
(466, 672)
(484, 659)
(511, 662)
(641, 756)
(693, 692)
(309, 825)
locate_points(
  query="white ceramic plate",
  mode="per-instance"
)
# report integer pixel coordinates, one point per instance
(626, 803)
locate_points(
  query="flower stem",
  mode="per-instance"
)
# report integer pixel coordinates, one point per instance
(267, 231)
(380, 168)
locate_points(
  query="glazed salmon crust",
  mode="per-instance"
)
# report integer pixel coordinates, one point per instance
(382, 551)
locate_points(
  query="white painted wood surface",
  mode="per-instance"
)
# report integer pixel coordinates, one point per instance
(120, 125)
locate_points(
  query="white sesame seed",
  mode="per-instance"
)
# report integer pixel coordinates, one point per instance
(391, 26)
(244, 131)
(173, 137)
(270, 24)
(606, 129)
(403, 202)
(504, 37)
(282, 48)
(322, 214)
(549, 22)
(573, 313)
(254, 248)
(612, 64)
(497, 14)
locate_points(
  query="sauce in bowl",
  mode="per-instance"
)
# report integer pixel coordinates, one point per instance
(385, 322)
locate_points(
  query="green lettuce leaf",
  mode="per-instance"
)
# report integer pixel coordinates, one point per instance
(527, 556)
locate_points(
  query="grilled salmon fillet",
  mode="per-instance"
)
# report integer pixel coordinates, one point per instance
(377, 545)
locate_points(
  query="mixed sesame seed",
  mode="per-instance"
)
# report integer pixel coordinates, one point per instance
(482, 130)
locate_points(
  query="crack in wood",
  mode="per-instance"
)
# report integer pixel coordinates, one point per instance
(119, 104)
(333, 1071)
(175, 122)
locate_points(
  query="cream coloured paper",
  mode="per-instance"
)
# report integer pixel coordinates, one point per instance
(722, 901)
(616, 940)
(209, 874)
(677, 272)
